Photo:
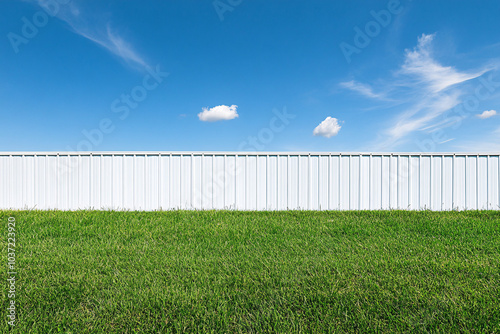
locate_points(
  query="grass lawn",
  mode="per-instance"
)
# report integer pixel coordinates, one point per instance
(254, 272)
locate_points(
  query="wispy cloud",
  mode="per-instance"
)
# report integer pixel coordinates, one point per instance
(447, 140)
(425, 88)
(418, 116)
(362, 89)
(447, 122)
(88, 26)
(420, 64)
(487, 114)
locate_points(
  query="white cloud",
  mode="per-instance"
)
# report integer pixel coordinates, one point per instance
(446, 141)
(361, 88)
(417, 117)
(88, 27)
(446, 122)
(487, 114)
(434, 90)
(328, 128)
(218, 113)
(420, 63)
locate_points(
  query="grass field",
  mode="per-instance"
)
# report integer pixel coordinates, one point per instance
(223, 271)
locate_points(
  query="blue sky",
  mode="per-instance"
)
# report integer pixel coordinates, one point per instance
(241, 75)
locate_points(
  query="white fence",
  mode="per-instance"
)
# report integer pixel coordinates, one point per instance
(249, 181)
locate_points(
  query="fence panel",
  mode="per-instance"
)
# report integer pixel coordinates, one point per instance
(249, 181)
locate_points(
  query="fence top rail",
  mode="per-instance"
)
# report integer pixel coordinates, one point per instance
(243, 153)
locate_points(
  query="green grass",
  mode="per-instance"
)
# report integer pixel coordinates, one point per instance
(254, 272)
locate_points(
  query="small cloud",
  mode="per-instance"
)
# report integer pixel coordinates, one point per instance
(182, 115)
(218, 113)
(328, 128)
(487, 114)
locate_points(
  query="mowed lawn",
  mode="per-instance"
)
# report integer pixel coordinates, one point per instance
(254, 272)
